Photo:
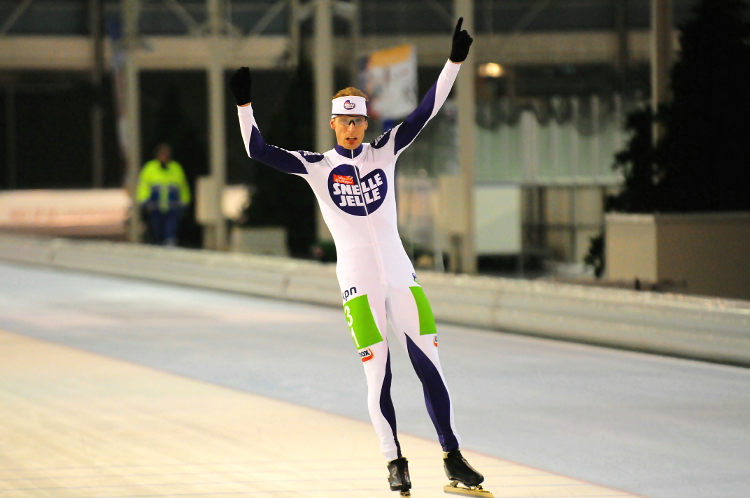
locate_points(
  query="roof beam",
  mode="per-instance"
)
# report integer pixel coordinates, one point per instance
(14, 17)
(268, 52)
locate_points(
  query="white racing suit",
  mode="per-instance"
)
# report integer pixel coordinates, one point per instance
(355, 190)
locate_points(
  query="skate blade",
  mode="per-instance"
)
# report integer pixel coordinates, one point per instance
(454, 489)
(405, 494)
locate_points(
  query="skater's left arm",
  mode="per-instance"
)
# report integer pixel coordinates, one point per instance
(406, 132)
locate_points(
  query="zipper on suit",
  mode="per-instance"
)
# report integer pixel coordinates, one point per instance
(369, 225)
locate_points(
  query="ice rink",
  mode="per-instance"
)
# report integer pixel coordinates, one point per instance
(121, 388)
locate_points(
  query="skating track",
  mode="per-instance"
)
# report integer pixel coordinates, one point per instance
(121, 388)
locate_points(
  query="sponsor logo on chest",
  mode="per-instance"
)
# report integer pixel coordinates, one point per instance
(343, 180)
(355, 194)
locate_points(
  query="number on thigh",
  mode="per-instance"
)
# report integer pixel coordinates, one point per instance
(362, 322)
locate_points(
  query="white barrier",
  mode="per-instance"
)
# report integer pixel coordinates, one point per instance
(66, 213)
(695, 327)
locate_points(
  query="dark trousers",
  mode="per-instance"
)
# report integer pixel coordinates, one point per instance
(164, 226)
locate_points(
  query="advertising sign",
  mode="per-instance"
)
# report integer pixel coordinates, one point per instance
(389, 78)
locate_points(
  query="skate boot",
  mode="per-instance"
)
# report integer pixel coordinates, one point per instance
(459, 471)
(398, 476)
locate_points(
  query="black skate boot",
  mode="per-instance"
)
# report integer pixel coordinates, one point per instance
(459, 471)
(398, 476)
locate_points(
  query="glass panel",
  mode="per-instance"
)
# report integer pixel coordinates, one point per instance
(573, 146)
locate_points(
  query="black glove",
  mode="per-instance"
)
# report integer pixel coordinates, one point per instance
(240, 85)
(461, 43)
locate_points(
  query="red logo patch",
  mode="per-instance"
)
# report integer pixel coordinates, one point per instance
(346, 180)
(434, 341)
(366, 355)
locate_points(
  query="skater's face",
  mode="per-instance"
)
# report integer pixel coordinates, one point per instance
(350, 130)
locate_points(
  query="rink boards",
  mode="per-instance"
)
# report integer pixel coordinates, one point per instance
(704, 328)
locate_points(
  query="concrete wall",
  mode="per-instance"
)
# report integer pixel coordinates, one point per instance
(630, 247)
(709, 252)
(705, 254)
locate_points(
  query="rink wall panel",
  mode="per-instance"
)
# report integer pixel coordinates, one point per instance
(703, 328)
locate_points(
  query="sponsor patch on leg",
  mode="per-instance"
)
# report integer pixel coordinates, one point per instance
(426, 318)
(366, 355)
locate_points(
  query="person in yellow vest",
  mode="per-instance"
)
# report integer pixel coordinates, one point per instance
(164, 193)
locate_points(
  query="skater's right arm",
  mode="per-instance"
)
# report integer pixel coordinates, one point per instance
(256, 148)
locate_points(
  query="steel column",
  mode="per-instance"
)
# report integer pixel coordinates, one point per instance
(133, 114)
(217, 129)
(97, 113)
(661, 54)
(323, 74)
(11, 151)
(466, 129)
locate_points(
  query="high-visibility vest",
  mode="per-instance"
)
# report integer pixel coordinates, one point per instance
(164, 186)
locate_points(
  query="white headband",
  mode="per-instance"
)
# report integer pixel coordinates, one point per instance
(351, 105)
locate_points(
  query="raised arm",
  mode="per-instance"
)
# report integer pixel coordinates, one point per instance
(255, 146)
(407, 131)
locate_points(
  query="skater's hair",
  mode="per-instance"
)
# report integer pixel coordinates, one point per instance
(350, 91)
